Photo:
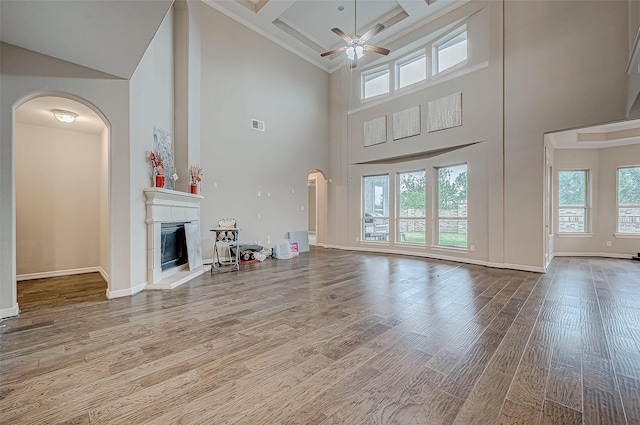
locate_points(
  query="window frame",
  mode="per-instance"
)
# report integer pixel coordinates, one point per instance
(371, 74)
(618, 233)
(408, 59)
(586, 206)
(435, 48)
(438, 217)
(400, 217)
(366, 220)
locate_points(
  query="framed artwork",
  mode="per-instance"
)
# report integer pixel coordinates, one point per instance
(406, 123)
(375, 131)
(444, 113)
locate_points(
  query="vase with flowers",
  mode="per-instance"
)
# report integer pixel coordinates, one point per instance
(158, 166)
(195, 177)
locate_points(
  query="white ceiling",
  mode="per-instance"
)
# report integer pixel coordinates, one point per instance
(38, 112)
(106, 35)
(304, 26)
(619, 133)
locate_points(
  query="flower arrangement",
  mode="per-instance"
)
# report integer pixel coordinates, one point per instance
(195, 174)
(157, 162)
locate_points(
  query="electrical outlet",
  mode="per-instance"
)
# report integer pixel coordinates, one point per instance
(608, 243)
(472, 247)
(268, 194)
(302, 208)
(259, 216)
(259, 193)
(215, 185)
(293, 191)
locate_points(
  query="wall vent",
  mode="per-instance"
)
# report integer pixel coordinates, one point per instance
(257, 125)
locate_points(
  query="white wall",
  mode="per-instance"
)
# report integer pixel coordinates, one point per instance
(105, 226)
(554, 81)
(603, 168)
(57, 199)
(246, 76)
(26, 74)
(151, 104)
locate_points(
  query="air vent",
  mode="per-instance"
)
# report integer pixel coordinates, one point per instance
(257, 125)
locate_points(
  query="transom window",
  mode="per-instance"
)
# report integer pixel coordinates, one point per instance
(411, 207)
(629, 200)
(573, 201)
(411, 70)
(375, 83)
(450, 50)
(375, 208)
(452, 206)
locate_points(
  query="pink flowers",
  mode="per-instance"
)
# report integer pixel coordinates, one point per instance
(157, 162)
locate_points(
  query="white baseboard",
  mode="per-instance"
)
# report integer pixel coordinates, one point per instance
(520, 267)
(9, 312)
(126, 292)
(593, 254)
(58, 273)
(104, 274)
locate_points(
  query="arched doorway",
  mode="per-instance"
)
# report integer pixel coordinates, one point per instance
(317, 210)
(62, 192)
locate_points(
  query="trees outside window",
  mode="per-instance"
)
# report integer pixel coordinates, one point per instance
(412, 207)
(573, 201)
(452, 206)
(629, 200)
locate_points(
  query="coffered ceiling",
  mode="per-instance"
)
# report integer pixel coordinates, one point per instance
(304, 26)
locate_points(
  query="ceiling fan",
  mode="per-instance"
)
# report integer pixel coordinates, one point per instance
(356, 45)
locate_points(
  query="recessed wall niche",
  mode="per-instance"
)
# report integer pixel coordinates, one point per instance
(406, 123)
(375, 131)
(444, 113)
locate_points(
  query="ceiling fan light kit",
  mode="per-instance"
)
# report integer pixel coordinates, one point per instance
(356, 46)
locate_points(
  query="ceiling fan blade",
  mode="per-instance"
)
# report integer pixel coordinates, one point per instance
(354, 62)
(334, 51)
(373, 31)
(376, 49)
(344, 36)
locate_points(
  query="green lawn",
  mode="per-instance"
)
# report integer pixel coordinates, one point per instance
(453, 239)
(446, 239)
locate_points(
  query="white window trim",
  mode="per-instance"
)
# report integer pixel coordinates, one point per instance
(381, 70)
(586, 206)
(437, 217)
(575, 235)
(362, 214)
(417, 55)
(436, 46)
(622, 235)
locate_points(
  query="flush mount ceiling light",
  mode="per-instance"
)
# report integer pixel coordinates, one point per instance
(64, 116)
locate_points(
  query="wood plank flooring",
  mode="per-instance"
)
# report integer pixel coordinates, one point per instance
(332, 337)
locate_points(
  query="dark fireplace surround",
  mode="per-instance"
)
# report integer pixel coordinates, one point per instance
(173, 245)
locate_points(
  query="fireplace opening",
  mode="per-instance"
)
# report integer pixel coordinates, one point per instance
(173, 245)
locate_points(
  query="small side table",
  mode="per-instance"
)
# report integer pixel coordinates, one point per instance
(226, 238)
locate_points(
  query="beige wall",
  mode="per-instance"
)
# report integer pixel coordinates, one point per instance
(57, 199)
(602, 165)
(552, 80)
(244, 77)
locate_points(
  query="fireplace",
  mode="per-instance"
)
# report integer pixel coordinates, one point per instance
(167, 260)
(173, 246)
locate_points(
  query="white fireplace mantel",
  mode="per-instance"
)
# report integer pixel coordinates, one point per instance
(168, 206)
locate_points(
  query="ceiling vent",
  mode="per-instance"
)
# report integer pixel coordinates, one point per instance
(257, 125)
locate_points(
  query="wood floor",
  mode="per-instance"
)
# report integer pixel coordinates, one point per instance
(334, 337)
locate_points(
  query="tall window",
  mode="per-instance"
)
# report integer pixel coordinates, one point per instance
(412, 207)
(375, 208)
(375, 83)
(411, 69)
(452, 206)
(573, 201)
(629, 200)
(450, 50)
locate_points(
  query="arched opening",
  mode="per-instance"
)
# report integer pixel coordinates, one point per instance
(317, 210)
(62, 200)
